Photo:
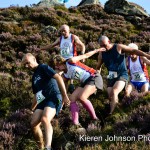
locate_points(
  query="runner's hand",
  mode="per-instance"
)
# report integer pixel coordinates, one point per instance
(101, 49)
(66, 101)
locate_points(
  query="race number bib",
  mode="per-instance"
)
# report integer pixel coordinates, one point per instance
(65, 51)
(112, 75)
(138, 76)
(77, 74)
(39, 97)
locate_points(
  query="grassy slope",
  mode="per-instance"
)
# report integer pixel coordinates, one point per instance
(21, 31)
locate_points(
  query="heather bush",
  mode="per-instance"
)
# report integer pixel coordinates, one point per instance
(7, 13)
(125, 146)
(74, 10)
(35, 39)
(24, 11)
(61, 8)
(5, 106)
(15, 129)
(137, 120)
(96, 11)
(26, 23)
(13, 97)
(5, 36)
(22, 30)
(2, 17)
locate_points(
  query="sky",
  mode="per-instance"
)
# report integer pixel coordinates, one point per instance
(6, 3)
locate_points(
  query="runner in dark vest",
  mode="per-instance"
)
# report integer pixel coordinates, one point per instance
(114, 60)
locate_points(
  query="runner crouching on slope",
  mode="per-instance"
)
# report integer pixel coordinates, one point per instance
(88, 77)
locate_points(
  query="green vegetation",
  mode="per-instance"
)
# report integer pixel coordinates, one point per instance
(24, 29)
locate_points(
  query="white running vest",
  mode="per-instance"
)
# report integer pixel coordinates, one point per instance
(66, 47)
(136, 71)
(75, 72)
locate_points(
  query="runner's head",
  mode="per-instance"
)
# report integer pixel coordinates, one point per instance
(104, 42)
(65, 31)
(133, 46)
(58, 62)
(29, 61)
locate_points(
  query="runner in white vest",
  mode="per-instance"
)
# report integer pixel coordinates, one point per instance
(139, 79)
(67, 47)
(68, 43)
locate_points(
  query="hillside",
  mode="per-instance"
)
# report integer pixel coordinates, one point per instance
(25, 29)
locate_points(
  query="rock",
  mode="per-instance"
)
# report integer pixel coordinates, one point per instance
(49, 29)
(69, 145)
(134, 19)
(85, 2)
(123, 7)
(81, 131)
(49, 3)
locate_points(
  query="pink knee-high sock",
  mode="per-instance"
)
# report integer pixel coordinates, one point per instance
(89, 107)
(74, 112)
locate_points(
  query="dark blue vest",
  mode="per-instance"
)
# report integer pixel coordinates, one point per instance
(115, 61)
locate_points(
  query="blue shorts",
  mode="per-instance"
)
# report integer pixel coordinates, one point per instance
(53, 102)
(138, 85)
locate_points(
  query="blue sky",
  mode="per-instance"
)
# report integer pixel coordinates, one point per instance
(6, 3)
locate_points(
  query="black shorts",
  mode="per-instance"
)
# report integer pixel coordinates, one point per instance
(111, 82)
(94, 80)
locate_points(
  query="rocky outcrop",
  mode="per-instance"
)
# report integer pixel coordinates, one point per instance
(49, 3)
(49, 29)
(85, 2)
(123, 7)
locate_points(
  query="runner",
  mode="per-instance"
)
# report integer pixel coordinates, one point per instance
(138, 72)
(47, 100)
(114, 60)
(67, 43)
(88, 77)
(68, 47)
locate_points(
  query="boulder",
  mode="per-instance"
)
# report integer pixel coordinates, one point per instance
(123, 7)
(85, 2)
(49, 3)
(49, 29)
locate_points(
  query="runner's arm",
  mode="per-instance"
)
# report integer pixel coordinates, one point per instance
(86, 55)
(62, 88)
(51, 45)
(131, 51)
(80, 44)
(99, 63)
(34, 103)
(145, 60)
